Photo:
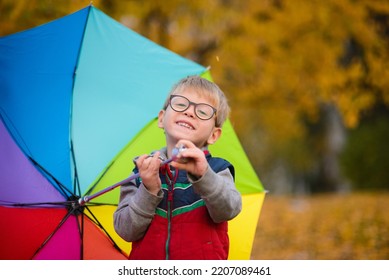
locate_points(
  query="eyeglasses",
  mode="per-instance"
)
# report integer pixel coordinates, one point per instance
(202, 110)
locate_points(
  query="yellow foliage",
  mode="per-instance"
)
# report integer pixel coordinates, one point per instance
(277, 61)
(24, 14)
(325, 227)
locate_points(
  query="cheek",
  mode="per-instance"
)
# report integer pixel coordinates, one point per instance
(165, 120)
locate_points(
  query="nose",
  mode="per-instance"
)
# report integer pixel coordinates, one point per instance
(190, 112)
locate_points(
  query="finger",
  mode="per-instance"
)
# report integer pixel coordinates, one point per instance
(189, 153)
(156, 155)
(145, 162)
(155, 161)
(185, 143)
(182, 146)
(179, 165)
(139, 160)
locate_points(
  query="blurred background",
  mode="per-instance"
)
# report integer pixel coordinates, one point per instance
(308, 83)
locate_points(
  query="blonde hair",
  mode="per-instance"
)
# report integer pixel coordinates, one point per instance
(207, 89)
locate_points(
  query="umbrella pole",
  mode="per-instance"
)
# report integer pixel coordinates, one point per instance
(85, 199)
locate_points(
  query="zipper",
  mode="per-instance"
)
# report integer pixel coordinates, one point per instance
(171, 178)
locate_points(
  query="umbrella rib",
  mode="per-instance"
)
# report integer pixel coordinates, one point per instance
(81, 231)
(71, 109)
(3, 115)
(62, 188)
(96, 221)
(52, 234)
(76, 181)
(40, 204)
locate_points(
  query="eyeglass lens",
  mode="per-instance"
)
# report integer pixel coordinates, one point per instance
(180, 104)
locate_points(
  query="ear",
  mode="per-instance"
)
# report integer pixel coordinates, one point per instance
(215, 135)
(161, 114)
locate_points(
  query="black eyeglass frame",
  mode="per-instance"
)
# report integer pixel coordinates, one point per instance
(195, 106)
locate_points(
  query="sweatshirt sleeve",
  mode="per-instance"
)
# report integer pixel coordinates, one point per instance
(221, 197)
(135, 211)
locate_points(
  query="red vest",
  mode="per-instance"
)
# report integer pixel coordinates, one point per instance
(193, 236)
(182, 228)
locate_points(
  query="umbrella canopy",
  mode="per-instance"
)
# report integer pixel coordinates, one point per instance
(79, 97)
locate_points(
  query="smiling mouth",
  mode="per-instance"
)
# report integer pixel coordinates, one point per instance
(186, 125)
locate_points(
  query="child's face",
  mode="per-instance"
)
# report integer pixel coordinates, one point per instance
(187, 125)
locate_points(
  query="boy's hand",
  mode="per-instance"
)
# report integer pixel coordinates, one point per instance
(148, 167)
(191, 159)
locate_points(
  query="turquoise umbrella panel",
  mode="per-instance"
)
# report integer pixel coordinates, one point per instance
(121, 83)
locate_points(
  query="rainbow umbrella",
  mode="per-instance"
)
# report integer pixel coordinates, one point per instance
(79, 98)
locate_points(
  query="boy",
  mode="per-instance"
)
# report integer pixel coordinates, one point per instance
(180, 211)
